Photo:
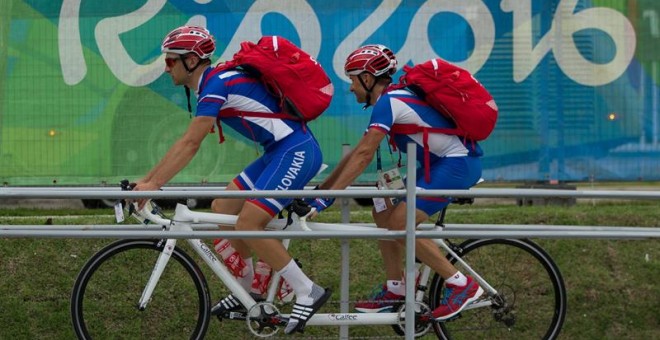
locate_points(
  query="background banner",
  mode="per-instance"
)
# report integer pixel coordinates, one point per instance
(84, 98)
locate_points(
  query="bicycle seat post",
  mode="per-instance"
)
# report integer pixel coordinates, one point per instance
(441, 218)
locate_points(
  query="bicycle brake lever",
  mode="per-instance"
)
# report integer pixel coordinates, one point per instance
(126, 185)
(303, 221)
(303, 210)
(300, 207)
(131, 209)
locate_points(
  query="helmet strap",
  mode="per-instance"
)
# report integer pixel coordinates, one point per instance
(183, 61)
(364, 86)
(190, 71)
(188, 98)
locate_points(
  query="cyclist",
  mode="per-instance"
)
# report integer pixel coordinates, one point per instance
(454, 164)
(291, 158)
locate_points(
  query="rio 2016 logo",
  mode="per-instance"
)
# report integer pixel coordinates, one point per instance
(416, 48)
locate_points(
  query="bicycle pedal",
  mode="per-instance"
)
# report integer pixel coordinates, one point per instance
(232, 316)
(453, 318)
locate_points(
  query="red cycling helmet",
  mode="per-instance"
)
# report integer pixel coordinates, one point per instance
(375, 59)
(187, 39)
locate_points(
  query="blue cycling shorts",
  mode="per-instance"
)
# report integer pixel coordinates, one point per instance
(448, 173)
(287, 165)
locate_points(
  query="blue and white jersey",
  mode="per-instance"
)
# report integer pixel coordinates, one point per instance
(404, 107)
(232, 89)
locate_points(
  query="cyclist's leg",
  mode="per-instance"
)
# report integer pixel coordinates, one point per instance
(446, 173)
(387, 296)
(457, 294)
(242, 268)
(289, 166)
(244, 181)
(231, 206)
(392, 253)
(425, 249)
(390, 250)
(255, 218)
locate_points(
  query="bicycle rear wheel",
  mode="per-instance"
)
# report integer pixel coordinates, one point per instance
(104, 301)
(531, 300)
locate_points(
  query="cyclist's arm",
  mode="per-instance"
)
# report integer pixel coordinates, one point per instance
(351, 166)
(180, 154)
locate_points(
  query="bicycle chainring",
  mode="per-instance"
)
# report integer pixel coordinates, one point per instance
(264, 319)
(423, 319)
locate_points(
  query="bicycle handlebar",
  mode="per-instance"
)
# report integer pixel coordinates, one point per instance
(150, 213)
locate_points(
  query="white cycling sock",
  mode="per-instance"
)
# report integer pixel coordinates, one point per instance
(457, 279)
(396, 287)
(246, 281)
(301, 284)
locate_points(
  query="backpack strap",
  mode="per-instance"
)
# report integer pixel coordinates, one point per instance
(288, 110)
(239, 113)
(242, 114)
(411, 129)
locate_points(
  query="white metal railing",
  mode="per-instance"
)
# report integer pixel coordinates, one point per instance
(451, 230)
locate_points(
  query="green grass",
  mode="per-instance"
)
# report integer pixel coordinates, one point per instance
(612, 284)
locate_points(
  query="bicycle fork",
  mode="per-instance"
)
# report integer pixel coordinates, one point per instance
(163, 258)
(206, 254)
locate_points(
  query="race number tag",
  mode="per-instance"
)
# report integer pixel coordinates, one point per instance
(119, 212)
(391, 180)
(379, 204)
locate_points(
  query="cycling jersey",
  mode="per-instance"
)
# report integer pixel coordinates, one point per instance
(454, 162)
(404, 107)
(235, 90)
(292, 155)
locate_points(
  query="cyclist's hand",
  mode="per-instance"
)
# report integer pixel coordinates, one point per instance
(144, 186)
(319, 204)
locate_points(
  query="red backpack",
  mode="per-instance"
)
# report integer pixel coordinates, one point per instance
(289, 73)
(453, 92)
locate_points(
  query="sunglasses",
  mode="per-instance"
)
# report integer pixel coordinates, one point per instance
(170, 62)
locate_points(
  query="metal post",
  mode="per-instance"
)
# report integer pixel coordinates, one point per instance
(642, 95)
(654, 103)
(345, 257)
(411, 208)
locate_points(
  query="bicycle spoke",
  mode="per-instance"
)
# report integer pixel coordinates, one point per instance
(526, 287)
(109, 303)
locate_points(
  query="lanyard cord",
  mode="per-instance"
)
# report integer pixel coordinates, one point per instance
(188, 97)
(379, 164)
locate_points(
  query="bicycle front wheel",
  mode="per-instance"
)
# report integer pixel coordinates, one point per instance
(531, 297)
(104, 301)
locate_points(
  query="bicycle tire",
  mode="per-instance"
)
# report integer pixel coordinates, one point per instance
(104, 299)
(528, 282)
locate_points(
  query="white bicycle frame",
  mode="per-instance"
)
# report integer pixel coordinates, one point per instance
(184, 218)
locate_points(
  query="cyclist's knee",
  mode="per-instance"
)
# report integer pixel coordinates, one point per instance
(380, 218)
(216, 205)
(229, 206)
(252, 217)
